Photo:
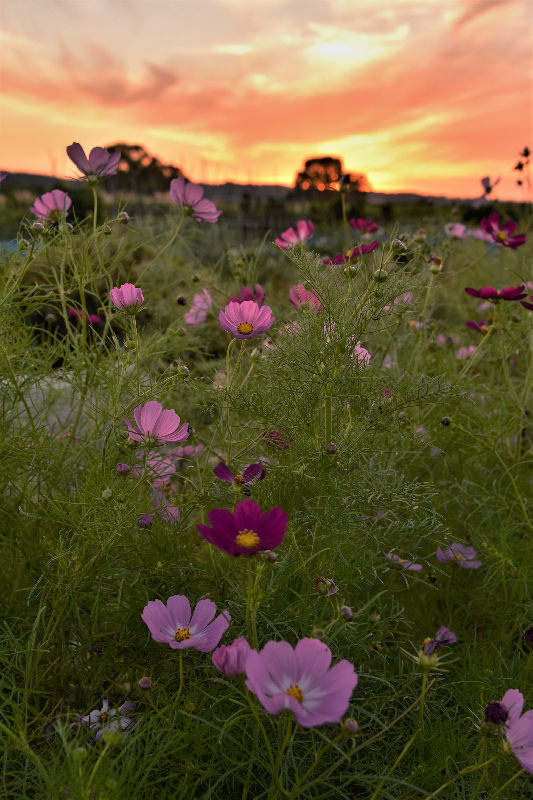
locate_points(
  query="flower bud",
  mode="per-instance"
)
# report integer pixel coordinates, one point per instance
(80, 754)
(181, 332)
(330, 448)
(23, 244)
(347, 613)
(190, 708)
(123, 469)
(230, 659)
(270, 555)
(528, 637)
(112, 738)
(351, 271)
(145, 521)
(319, 634)
(195, 279)
(445, 421)
(181, 300)
(123, 218)
(129, 344)
(38, 226)
(69, 227)
(375, 618)
(350, 727)
(107, 494)
(145, 684)
(380, 275)
(426, 660)
(436, 265)
(256, 353)
(106, 230)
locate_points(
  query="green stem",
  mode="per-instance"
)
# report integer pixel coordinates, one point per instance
(526, 675)
(478, 348)
(485, 770)
(137, 355)
(18, 390)
(95, 208)
(465, 771)
(389, 773)
(250, 616)
(345, 219)
(275, 773)
(423, 699)
(508, 783)
(175, 701)
(328, 419)
(261, 727)
(237, 364)
(92, 776)
(171, 241)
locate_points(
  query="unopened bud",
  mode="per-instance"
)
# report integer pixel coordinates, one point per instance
(380, 275)
(351, 271)
(69, 227)
(377, 646)
(123, 469)
(112, 738)
(528, 637)
(107, 494)
(80, 754)
(195, 279)
(256, 353)
(38, 226)
(401, 415)
(23, 244)
(145, 684)
(129, 344)
(435, 265)
(330, 448)
(318, 633)
(190, 708)
(445, 421)
(350, 727)
(124, 218)
(398, 247)
(181, 300)
(347, 613)
(270, 555)
(182, 332)
(106, 230)
(145, 521)
(375, 618)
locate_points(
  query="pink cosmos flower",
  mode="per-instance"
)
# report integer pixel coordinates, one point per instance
(93, 318)
(190, 198)
(251, 474)
(518, 729)
(128, 298)
(460, 554)
(481, 327)
(495, 295)
(457, 230)
(364, 225)
(277, 438)
(3, 176)
(408, 565)
(246, 320)
(360, 250)
(169, 514)
(502, 236)
(157, 426)
(199, 310)
(230, 659)
(479, 234)
(247, 530)
(400, 301)
(291, 237)
(465, 352)
(359, 353)
(388, 362)
(299, 296)
(104, 720)
(99, 165)
(189, 451)
(301, 680)
(247, 293)
(51, 205)
(159, 468)
(172, 623)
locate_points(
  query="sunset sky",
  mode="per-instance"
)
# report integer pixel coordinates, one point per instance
(420, 95)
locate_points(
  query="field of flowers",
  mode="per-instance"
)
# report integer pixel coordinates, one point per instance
(267, 508)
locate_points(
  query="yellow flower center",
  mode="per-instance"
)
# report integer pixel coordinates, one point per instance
(484, 328)
(295, 692)
(182, 634)
(501, 236)
(458, 556)
(104, 717)
(424, 643)
(247, 539)
(238, 479)
(245, 327)
(401, 560)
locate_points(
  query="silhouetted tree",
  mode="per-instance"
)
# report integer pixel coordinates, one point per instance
(327, 172)
(140, 172)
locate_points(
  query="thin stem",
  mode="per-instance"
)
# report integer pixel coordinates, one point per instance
(485, 770)
(423, 699)
(345, 219)
(478, 348)
(92, 776)
(465, 771)
(18, 390)
(95, 208)
(328, 419)
(526, 675)
(171, 241)
(237, 364)
(261, 727)
(389, 773)
(275, 780)
(175, 701)
(137, 355)
(250, 617)
(508, 783)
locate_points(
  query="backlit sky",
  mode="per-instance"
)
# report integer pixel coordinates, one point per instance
(420, 95)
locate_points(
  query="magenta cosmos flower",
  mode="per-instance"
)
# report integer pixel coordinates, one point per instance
(246, 320)
(247, 530)
(481, 327)
(291, 237)
(104, 720)
(172, 623)
(443, 636)
(92, 318)
(360, 250)
(128, 298)
(404, 563)
(364, 225)
(247, 293)
(169, 514)
(98, 166)
(157, 426)
(518, 729)
(301, 680)
(51, 205)
(497, 295)
(300, 296)
(190, 198)
(275, 437)
(502, 236)
(199, 310)
(460, 554)
(230, 659)
(251, 474)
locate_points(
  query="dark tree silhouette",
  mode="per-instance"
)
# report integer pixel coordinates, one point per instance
(140, 172)
(327, 172)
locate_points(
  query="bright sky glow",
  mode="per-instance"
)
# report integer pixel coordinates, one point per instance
(420, 95)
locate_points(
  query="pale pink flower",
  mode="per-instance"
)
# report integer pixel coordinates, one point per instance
(404, 563)
(99, 165)
(457, 230)
(291, 237)
(128, 298)
(190, 198)
(51, 205)
(157, 426)
(246, 320)
(172, 623)
(465, 352)
(169, 514)
(519, 729)
(230, 659)
(388, 362)
(199, 310)
(359, 353)
(300, 296)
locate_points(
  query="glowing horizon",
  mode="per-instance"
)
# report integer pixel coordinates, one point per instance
(418, 95)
